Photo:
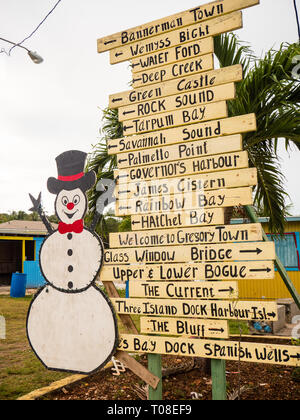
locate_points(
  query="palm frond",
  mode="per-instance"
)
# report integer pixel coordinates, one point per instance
(102, 163)
(269, 91)
(230, 51)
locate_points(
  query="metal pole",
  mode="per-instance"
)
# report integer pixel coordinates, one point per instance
(155, 367)
(218, 376)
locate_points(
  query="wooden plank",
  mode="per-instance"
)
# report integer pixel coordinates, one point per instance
(187, 51)
(184, 290)
(179, 84)
(194, 32)
(158, 254)
(176, 118)
(224, 162)
(176, 102)
(188, 236)
(254, 251)
(167, 24)
(188, 218)
(224, 350)
(194, 66)
(185, 327)
(137, 368)
(197, 217)
(193, 132)
(252, 270)
(181, 151)
(201, 309)
(191, 272)
(182, 202)
(195, 183)
(125, 319)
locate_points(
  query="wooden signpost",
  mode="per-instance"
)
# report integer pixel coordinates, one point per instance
(181, 36)
(174, 272)
(194, 183)
(170, 23)
(223, 162)
(187, 236)
(173, 71)
(212, 349)
(194, 49)
(186, 201)
(181, 151)
(201, 328)
(175, 102)
(176, 118)
(197, 131)
(179, 165)
(178, 84)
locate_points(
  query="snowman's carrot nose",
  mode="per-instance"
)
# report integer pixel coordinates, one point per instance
(70, 206)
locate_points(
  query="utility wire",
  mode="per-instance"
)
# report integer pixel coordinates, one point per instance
(39, 25)
(297, 17)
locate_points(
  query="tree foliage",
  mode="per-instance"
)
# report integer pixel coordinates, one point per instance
(268, 90)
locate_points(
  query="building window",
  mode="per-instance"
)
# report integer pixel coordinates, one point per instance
(30, 250)
(287, 249)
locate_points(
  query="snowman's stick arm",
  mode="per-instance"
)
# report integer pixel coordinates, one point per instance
(37, 207)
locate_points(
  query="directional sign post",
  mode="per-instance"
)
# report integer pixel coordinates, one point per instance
(222, 350)
(193, 183)
(197, 131)
(178, 83)
(159, 43)
(180, 164)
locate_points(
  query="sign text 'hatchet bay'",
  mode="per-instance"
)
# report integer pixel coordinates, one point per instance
(179, 143)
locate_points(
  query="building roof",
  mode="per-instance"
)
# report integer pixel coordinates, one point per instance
(266, 220)
(24, 227)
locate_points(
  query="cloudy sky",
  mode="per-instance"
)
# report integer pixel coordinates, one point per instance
(56, 106)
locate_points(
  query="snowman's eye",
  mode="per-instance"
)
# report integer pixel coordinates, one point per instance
(76, 200)
(65, 201)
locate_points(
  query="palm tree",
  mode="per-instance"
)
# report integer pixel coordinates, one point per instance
(269, 91)
(103, 164)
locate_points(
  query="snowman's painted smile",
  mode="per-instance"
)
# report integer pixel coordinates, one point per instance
(70, 216)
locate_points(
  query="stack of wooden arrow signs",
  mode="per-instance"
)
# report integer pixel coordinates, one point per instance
(181, 163)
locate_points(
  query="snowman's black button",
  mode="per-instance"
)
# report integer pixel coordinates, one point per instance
(70, 252)
(70, 236)
(70, 285)
(70, 268)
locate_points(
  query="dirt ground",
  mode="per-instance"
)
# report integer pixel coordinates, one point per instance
(252, 382)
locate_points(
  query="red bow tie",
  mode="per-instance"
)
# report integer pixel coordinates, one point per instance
(76, 227)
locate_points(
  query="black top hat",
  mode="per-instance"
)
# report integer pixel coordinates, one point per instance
(70, 168)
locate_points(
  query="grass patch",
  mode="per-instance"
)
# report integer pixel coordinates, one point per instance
(20, 371)
(237, 327)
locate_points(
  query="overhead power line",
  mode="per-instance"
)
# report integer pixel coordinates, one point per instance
(297, 18)
(37, 28)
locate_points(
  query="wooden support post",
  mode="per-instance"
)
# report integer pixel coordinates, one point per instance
(148, 376)
(218, 376)
(138, 369)
(125, 319)
(155, 367)
(280, 267)
(23, 254)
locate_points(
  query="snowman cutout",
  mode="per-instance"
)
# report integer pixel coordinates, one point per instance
(71, 324)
